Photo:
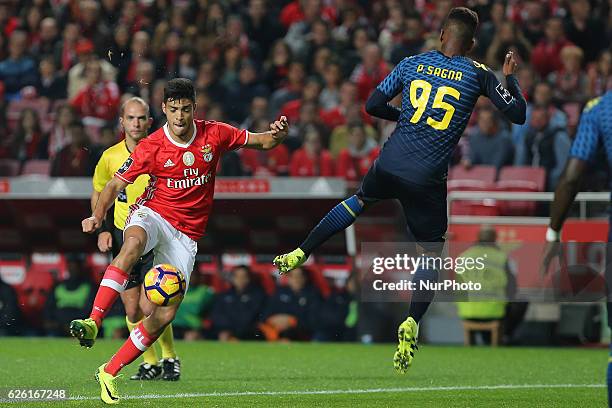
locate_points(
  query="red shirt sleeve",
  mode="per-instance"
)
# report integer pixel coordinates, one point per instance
(231, 138)
(139, 162)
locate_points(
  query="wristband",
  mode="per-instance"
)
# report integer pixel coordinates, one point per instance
(552, 235)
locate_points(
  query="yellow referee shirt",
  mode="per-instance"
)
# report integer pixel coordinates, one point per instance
(109, 163)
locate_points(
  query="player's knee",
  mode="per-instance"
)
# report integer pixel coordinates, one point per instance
(146, 306)
(133, 246)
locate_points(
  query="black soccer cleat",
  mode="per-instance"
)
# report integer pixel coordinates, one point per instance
(147, 372)
(172, 369)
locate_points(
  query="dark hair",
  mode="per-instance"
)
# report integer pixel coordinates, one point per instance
(464, 23)
(179, 88)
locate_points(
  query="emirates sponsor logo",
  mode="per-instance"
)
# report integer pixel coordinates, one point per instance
(192, 178)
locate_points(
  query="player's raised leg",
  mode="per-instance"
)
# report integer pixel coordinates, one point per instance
(113, 284)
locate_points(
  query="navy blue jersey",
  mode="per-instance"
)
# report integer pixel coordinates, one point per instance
(594, 130)
(438, 96)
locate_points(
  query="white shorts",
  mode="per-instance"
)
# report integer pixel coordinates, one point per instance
(169, 245)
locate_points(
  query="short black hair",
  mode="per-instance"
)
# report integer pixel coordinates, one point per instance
(179, 88)
(463, 23)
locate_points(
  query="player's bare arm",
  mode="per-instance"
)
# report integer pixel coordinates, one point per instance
(510, 64)
(104, 202)
(568, 187)
(270, 139)
(105, 238)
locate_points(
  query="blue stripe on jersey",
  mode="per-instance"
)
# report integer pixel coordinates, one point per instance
(417, 151)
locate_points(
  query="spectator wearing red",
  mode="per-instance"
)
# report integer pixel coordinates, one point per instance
(298, 10)
(370, 72)
(76, 159)
(265, 163)
(310, 94)
(28, 141)
(337, 116)
(65, 52)
(546, 56)
(100, 98)
(311, 160)
(353, 162)
(570, 83)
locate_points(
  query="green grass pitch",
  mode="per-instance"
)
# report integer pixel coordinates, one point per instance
(317, 375)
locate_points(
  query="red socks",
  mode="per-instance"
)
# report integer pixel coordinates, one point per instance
(133, 347)
(113, 283)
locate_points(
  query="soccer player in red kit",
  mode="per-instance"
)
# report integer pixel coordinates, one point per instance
(169, 217)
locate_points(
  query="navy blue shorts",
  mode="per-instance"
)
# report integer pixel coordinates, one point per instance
(424, 206)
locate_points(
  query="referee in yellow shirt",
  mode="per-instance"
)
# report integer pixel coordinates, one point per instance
(135, 121)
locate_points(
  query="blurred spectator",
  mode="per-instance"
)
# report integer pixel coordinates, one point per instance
(490, 145)
(546, 56)
(140, 51)
(265, 163)
(260, 26)
(290, 312)
(119, 53)
(258, 111)
(51, 83)
(570, 83)
(49, 37)
(486, 31)
(599, 74)
(527, 78)
(411, 42)
(392, 31)
(237, 310)
(28, 140)
(99, 100)
(31, 25)
(310, 94)
(354, 162)
(144, 79)
(208, 82)
(18, 70)
(585, 29)
(299, 11)
(542, 96)
(507, 38)
(195, 306)
(77, 76)
(65, 51)
(59, 136)
(10, 316)
(241, 93)
(330, 94)
(91, 26)
(70, 298)
(339, 138)
(76, 159)
(533, 16)
(370, 72)
(291, 90)
(544, 146)
(337, 314)
(348, 98)
(311, 160)
(276, 66)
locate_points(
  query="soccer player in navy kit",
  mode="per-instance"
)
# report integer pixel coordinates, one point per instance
(594, 132)
(439, 90)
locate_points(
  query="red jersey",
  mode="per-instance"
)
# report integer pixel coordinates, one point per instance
(182, 175)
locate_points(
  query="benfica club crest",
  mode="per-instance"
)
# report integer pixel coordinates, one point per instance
(207, 153)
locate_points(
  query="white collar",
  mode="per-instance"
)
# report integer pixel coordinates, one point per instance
(174, 142)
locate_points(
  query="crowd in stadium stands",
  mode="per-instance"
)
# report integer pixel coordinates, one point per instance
(244, 306)
(316, 61)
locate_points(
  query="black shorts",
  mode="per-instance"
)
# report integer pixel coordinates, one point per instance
(142, 266)
(424, 206)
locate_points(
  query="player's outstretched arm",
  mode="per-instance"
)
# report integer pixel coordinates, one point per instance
(106, 199)
(509, 101)
(270, 139)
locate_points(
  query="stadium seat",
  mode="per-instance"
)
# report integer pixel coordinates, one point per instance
(484, 174)
(36, 167)
(49, 262)
(32, 295)
(521, 179)
(9, 167)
